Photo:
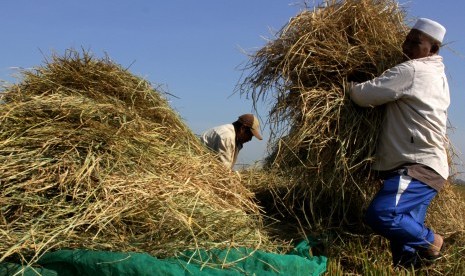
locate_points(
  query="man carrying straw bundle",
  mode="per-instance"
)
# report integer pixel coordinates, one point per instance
(227, 140)
(411, 153)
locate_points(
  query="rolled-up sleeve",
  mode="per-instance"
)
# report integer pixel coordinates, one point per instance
(388, 87)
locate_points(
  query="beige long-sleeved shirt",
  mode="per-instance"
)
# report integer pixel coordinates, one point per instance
(416, 95)
(222, 140)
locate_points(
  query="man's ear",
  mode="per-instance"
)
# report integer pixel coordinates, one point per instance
(434, 48)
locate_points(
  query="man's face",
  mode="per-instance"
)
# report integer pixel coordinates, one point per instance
(244, 135)
(417, 45)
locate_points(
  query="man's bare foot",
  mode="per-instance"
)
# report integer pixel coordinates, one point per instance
(434, 250)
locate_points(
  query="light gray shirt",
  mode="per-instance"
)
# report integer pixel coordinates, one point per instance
(416, 95)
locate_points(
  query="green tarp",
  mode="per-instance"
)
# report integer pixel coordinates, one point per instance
(239, 261)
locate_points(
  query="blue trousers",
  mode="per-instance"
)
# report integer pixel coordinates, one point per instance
(398, 213)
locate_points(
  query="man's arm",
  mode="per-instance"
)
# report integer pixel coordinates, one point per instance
(388, 87)
(225, 150)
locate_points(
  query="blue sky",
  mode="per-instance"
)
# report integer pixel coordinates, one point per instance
(191, 49)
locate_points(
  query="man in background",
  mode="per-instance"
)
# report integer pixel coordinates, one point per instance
(227, 140)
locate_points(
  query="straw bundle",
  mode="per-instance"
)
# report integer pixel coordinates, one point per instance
(93, 157)
(317, 133)
(320, 139)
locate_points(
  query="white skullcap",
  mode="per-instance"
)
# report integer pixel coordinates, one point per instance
(431, 28)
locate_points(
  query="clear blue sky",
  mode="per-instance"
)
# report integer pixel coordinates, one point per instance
(191, 48)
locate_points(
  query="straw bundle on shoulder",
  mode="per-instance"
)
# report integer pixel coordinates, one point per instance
(93, 157)
(317, 133)
(308, 64)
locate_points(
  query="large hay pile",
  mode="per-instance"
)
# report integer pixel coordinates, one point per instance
(93, 157)
(320, 139)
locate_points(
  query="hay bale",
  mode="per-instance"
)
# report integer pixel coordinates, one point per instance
(93, 157)
(320, 139)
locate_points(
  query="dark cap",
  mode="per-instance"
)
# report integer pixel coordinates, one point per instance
(249, 120)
